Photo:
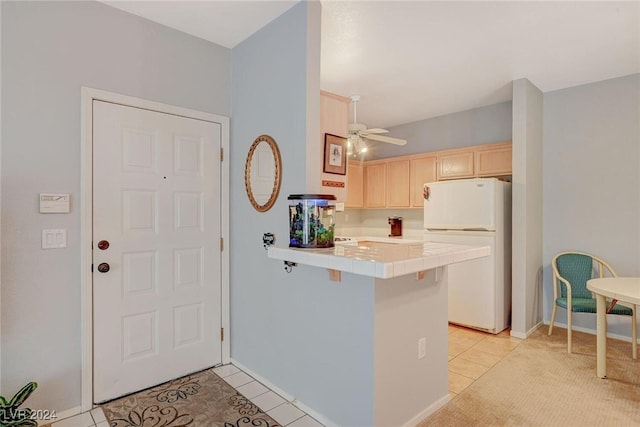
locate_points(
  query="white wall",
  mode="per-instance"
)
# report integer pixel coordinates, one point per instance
(526, 217)
(592, 181)
(50, 50)
(297, 330)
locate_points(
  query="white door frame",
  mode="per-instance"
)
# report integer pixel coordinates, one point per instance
(86, 213)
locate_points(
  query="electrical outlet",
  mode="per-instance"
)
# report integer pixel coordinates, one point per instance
(422, 347)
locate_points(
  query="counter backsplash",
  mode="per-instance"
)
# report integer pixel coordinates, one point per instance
(374, 222)
(377, 232)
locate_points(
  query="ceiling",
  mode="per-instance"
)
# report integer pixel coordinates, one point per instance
(419, 59)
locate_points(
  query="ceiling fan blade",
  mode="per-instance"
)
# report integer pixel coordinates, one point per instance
(374, 130)
(388, 139)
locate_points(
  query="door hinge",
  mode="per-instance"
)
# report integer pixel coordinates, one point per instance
(221, 334)
(221, 244)
(221, 154)
(92, 268)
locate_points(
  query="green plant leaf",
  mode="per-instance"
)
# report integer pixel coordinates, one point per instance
(23, 394)
(20, 423)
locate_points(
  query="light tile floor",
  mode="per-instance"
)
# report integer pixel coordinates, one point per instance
(471, 354)
(94, 418)
(273, 404)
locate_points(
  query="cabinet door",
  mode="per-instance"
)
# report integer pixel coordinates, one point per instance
(355, 192)
(398, 184)
(422, 170)
(456, 165)
(494, 161)
(375, 180)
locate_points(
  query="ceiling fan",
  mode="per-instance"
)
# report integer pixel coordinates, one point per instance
(358, 133)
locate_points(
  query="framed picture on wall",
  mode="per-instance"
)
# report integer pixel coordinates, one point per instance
(335, 154)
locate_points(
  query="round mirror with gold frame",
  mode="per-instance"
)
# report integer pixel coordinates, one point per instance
(263, 173)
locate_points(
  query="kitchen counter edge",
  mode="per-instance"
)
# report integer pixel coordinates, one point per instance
(433, 254)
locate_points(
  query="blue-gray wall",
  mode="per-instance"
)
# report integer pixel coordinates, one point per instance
(306, 335)
(481, 125)
(591, 160)
(296, 330)
(50, 50)
(526, 211)
(590, 176)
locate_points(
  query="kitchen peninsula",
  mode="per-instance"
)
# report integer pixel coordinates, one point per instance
(406, 284)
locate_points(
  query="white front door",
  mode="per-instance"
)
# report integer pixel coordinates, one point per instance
(156, 247)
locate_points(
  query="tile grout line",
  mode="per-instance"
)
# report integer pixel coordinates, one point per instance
(473, 380)
(472, 346)
(285, 401)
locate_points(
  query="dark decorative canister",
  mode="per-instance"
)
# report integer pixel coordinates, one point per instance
(311, 220)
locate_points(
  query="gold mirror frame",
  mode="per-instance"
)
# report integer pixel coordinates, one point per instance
(277, 173)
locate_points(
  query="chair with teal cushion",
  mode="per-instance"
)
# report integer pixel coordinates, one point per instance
(571, 270)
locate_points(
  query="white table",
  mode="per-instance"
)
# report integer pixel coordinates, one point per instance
(625, 289)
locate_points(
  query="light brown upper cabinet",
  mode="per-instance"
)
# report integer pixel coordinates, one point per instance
(355, 193)
(494, 161)
(422, 169)
(375, 182)
(456, 164)
(398, 184)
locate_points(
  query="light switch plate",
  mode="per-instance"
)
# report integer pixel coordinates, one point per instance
(422, 347)
(54, 238)
(55, 203)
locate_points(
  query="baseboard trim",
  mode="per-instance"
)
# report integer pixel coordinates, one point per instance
(287, 396)
(422, 415)
(590, 331)
(527, 334)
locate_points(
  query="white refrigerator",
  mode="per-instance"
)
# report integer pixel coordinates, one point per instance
(474, 212)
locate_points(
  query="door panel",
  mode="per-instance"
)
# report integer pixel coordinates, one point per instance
(156, 199)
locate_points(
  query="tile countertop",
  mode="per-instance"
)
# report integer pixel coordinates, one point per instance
(381, 257)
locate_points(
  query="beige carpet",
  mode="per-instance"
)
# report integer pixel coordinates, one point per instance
(201, 399)
(540, 384)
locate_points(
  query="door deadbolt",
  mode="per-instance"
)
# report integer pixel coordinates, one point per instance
(103, 245)
(103, 267)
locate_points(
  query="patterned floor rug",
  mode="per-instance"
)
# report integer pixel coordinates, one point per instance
(201, 399)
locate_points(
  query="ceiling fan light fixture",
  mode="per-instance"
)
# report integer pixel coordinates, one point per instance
(349, 146)
(359, 132)
(360, 146)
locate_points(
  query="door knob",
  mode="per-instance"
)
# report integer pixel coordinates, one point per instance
(103, 245)
(103, 267)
